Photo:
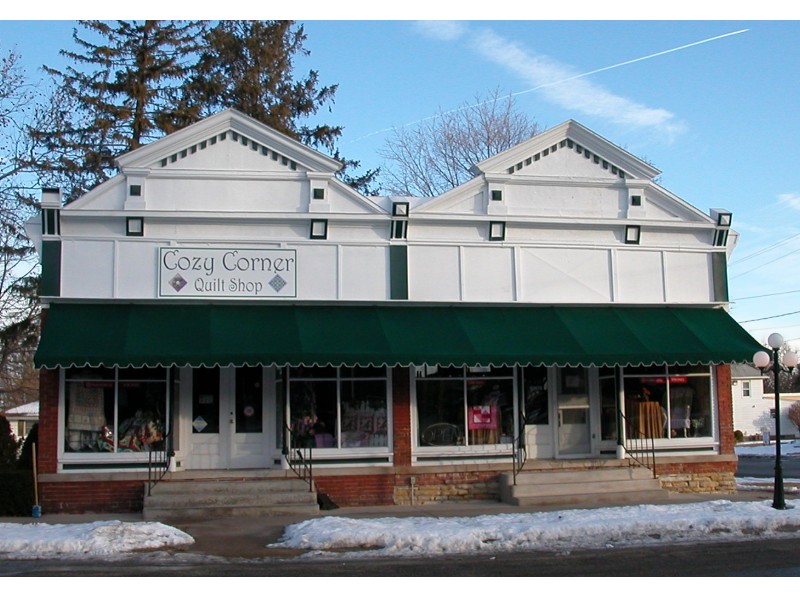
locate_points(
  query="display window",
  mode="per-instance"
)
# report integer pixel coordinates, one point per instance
(608, 403)
(344, 408)
(114, 410)
(465, 406)
(534, 386)
(672, 402)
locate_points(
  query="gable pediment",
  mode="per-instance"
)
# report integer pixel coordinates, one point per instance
(227, 160)
(553, 153)
(227, 140)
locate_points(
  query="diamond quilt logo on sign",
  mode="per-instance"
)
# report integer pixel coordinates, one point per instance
(277, 283)
(178, 282)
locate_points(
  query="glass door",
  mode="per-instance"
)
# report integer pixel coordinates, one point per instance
(248, 443)
(574, 423)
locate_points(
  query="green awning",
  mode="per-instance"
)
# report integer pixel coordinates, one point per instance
(387, 334)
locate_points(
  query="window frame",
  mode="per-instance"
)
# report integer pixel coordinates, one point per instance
(110, 460)
(487, 452)
(669, 371)
(340, 451)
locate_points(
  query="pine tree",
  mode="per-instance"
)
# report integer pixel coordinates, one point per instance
(249, 66)
(114, 97)
(9, 446)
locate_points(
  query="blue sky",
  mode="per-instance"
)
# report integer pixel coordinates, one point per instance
(712, 104)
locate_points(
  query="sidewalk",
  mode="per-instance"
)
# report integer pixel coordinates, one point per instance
(248, 537)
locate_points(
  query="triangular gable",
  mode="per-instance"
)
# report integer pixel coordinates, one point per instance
(567, 153)
(573, 137)
(227, 126)
(226, 145)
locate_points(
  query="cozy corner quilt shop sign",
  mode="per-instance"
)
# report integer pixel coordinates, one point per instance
(227, 273)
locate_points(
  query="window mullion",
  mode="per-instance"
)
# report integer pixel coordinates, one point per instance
(116, 411)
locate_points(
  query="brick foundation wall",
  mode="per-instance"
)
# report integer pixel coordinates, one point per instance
(447, 487)
(357, 490)
(388, 489)
(91, 496)
(712, 477)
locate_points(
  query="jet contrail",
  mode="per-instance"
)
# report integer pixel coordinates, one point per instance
(560, 81)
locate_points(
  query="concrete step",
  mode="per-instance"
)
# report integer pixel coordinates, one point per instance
(580, 476)
(168, 515)
(213, 486)
(593, 485)
(232, 498)
(589, 500)
(598, 487)
(210, 498)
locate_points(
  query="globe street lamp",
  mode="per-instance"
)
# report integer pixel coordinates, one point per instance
(762, 359)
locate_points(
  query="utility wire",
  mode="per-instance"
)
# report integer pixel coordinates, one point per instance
(763, 250)
(796, 312)
(765, 295)
(761, 266)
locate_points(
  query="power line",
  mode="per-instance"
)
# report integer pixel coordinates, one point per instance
(773, 327)
(766, 249)
(796, 312)
(765, 295)
(761, 266)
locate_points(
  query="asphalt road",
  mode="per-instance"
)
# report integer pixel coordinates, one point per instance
(760, 558)
(764, 466)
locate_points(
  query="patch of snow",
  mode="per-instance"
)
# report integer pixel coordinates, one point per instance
(561, 530)
(97, 539)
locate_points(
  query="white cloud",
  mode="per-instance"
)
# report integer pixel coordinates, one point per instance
(791, 200)
(564, 86)
(445, 31)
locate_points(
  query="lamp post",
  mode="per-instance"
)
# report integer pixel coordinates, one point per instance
(762, 360)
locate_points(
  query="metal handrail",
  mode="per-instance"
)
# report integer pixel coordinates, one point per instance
(519, 453)
(639, 446)
(158, 461)
(298, 457)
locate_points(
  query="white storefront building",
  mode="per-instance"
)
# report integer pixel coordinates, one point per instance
(226, 291)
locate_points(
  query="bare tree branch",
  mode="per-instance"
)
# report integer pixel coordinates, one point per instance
(436, 155)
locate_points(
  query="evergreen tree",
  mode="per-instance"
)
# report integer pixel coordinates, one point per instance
(249, 66)
(9, 446)
(114, 97)
(25, 461)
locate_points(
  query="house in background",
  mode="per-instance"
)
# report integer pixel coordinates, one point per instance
(788, 429)
(22, 419)
(753, 409)
(226, 295)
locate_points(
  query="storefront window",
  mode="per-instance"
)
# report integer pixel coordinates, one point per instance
(339, 408)
(205, 400)
(249, 402)
(668, 402)
(465, 407)
(608, 403)
(114, 410)
(534, 385)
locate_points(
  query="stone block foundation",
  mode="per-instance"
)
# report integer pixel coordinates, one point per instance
(717, 477)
